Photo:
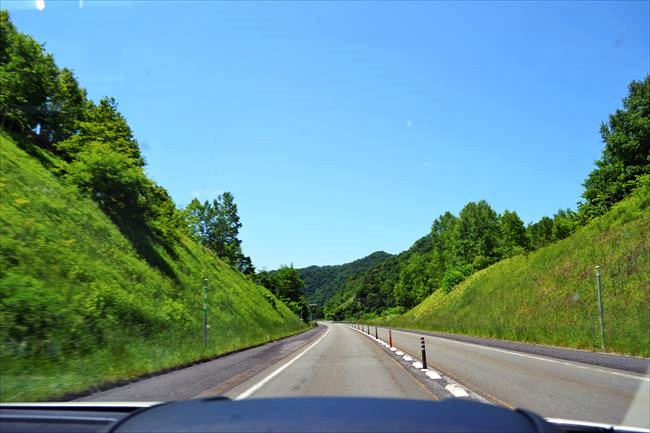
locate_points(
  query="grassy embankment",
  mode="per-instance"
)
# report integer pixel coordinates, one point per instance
(549, 296)
(79, 307)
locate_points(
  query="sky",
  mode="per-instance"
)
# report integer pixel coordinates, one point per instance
(343, 127)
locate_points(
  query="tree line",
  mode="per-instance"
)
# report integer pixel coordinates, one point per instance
(459, 245)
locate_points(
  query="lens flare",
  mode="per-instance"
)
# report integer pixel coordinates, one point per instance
(40, 4)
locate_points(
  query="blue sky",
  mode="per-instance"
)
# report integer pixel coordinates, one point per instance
(343, 128)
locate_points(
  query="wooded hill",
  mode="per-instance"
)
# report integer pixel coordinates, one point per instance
(322, 281)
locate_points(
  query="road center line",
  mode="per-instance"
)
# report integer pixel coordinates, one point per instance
(540, 358)
(262, 382)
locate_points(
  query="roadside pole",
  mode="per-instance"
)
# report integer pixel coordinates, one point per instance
(600, 309)
(424, 353)
(205, 313)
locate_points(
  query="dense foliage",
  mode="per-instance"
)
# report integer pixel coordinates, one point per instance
(216, 225)
(286, 284)
(626, 156)
(322, 281)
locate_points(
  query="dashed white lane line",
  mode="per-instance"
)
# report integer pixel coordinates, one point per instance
(407, 358)
(432, 375)
(418, 365)
(456, 390)
(539, 358)
(262, 382)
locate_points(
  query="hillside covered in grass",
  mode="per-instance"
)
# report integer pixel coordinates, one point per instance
(549, 296)
(81, 307)
(102, 276)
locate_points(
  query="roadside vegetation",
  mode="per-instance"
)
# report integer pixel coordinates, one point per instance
(549, 296)
(101, 274)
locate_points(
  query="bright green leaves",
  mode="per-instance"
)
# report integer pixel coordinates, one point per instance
(514, 239)
(286, 284)
(476, 235)
(27, 77)
(626, 155)
(102, 123)
(216, 225)
(111, 178)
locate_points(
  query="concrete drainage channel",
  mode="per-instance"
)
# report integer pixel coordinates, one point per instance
(440, 385)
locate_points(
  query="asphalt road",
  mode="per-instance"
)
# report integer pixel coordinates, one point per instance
(209, 378)
(547, 385)
(334, 359)
(343, 362)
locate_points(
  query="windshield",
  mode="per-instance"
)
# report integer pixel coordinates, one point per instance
(421, 200)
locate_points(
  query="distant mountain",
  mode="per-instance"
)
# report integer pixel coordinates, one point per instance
(372, 289)
(321, 282)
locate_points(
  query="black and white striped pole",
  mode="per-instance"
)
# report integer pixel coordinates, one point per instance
(424, 354)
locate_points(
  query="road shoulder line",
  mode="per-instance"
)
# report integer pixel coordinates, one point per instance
(279, 370)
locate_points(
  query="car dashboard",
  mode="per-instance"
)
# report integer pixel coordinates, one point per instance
(305, 414)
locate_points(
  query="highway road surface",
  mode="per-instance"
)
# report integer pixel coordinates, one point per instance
(335, 359)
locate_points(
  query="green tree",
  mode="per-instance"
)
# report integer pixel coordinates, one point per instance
(626, 155)
(111, 178)
(476, 235)
(514, 239)
(564, 224)
(442, 238)
(216, 225)
(540, 233)
(225, 237)
(103, 123)
(417, 280)
(286, 284)
(64, 109)
(27, 78)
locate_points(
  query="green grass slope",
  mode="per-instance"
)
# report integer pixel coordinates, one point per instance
(79, 307)
(549, 296)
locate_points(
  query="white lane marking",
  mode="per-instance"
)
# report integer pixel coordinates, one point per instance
(418, 365)
(262, 382)
(432, 375)
(456, 390)
(393, 349)
(399, 353)
(540, 358)
(407, 358)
